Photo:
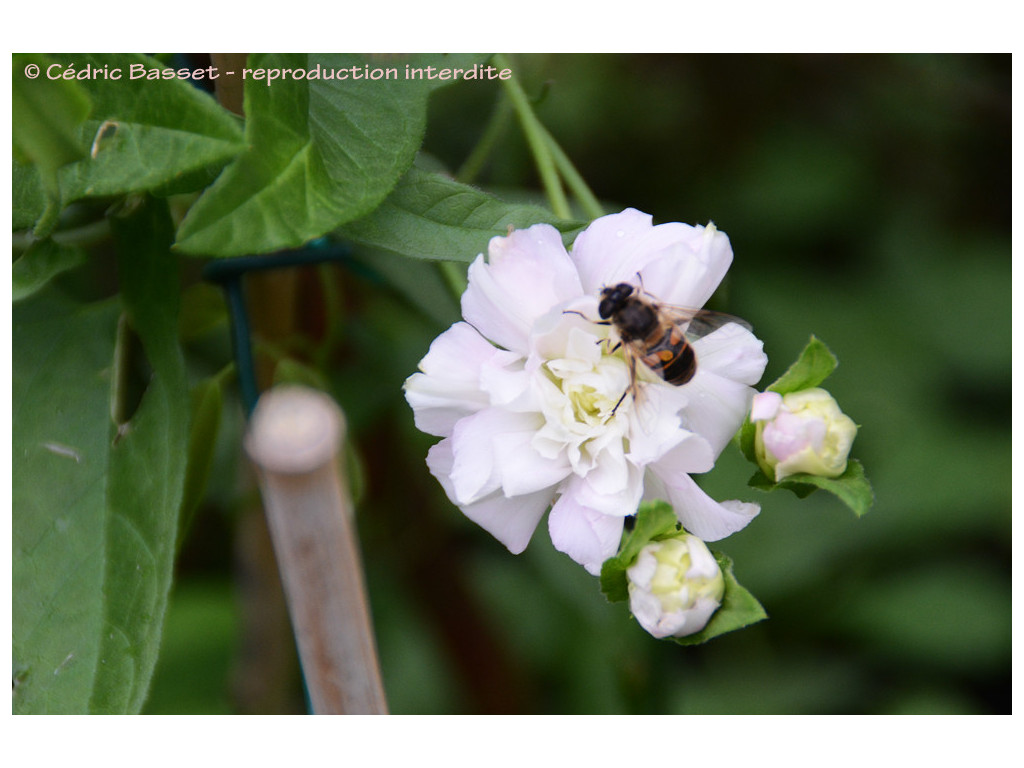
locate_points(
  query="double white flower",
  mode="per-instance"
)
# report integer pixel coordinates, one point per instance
(524, 391)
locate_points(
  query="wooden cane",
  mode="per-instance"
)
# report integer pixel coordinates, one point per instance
(294, 438)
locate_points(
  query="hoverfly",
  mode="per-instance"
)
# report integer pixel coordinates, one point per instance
(656, 334)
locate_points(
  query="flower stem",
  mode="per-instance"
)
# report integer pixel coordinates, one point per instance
(492, 133)
(573, 179)
(540, 147)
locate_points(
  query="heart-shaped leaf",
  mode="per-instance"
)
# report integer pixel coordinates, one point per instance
(324, 149)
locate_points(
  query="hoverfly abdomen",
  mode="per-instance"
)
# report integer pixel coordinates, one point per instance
(670, 356)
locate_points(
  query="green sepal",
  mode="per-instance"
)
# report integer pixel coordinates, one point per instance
(852, 487)
(739, 608)
(654, 521)
(815, 363)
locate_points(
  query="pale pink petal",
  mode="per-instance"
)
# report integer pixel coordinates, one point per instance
(615, 248)
(765, 405)
(693, 454)
(654, 420)
(718, 407)
(448, 388)
(734, 352)
(587, 536)
(611, 488)
(526, 274)
(492, 449)
(688, 271)
(511, 521)
(699, 513)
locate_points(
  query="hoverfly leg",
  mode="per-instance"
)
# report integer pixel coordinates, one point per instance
(632, 381)
(626, 392)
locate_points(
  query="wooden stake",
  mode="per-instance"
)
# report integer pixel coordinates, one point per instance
(294, 437)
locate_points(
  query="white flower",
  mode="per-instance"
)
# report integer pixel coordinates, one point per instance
(802, 431)
(675, 585)
(524, 392)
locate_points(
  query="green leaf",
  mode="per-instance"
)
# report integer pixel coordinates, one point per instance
(322, 152)
(61, 435)
(739, 608)
(851, 487)
(46, 114)
(430, 216)
(142, 134)
(95, 508)
(43, 260)
(813, 366)
(653, 520)
(145, 134)
(28, 198)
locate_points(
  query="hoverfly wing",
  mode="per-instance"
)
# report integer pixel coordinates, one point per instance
(698, 323)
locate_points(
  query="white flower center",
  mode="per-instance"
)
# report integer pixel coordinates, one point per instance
(579, 408)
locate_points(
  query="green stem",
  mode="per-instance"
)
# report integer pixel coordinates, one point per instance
(492, 133)
(454, 275)
(334, 319)
(539, 145)
(591, 206)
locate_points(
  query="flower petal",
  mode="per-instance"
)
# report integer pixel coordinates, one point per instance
(734, 352)
(526, 274)
(492, 449)
(699, 513)
(717, 408)
(613, 486)
(692, 454)
(449, 385)
(615, 248)
(511, 521)
(587, 536)
(688, 271)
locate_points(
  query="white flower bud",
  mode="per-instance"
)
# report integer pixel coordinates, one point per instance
(801, 432)
(674, 586)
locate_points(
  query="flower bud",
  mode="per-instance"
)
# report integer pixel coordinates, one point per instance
(675, 585)
(801, 432)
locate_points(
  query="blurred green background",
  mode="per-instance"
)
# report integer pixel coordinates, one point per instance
(867, 199)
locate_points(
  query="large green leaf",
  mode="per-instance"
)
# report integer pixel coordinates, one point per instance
(42, 261)
(96, 504)
(430, 216)
(143, 134)
(321, 151)
(46, 114)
